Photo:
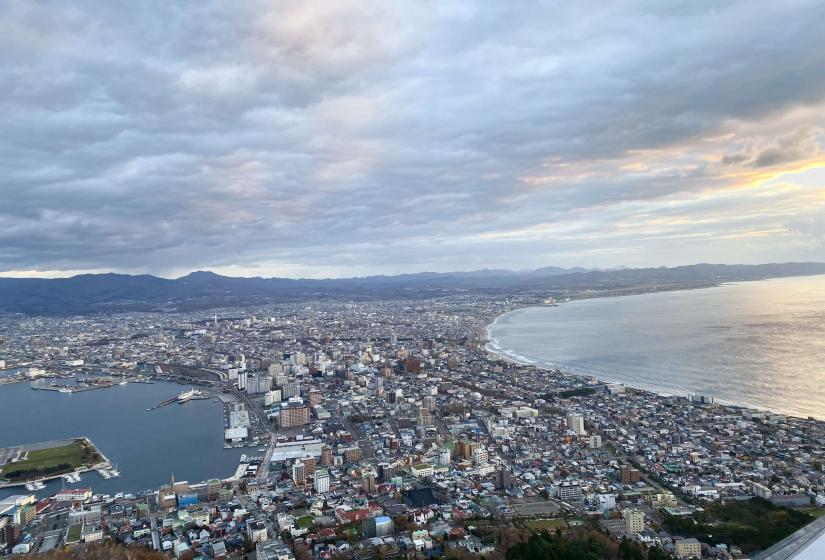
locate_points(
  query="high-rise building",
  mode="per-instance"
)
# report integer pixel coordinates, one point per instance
(352, 454)
(257, 383)
(504, 479)
(309, 465)
(213, 489)
(479, 455)
(575, 423)
(381, 526)
(368, 482)
(634, 521)
(293, 415)
(629, 475)
(272, 397)
(322, 481)
(326, 456)
(290, 390)
(242, 376)
(570, 492)
(386, 472)
(425, 418)
(299, 473)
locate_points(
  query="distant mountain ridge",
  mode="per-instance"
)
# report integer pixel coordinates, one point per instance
(96, 293)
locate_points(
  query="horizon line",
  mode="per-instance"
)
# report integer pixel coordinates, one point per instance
(22, 275)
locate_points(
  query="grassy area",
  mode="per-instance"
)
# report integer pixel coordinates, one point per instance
(545, 524)
(304, 522)
(52, 461)
(74, 534)
(814, 511)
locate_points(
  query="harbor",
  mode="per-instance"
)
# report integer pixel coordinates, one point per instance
(117, 421)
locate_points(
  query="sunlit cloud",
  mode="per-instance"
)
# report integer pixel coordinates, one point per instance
(357, 137)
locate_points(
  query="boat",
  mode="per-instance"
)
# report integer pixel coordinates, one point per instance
(30, 486)
(124, 382)
(187, 395)
(104, 474)
(72, 477)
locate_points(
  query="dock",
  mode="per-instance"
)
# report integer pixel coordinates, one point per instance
(164, 403)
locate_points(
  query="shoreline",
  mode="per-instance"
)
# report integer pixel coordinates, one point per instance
(82, 469)
(106, 463)
(499, 353)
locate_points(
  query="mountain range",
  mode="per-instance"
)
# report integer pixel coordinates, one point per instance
(105, 293)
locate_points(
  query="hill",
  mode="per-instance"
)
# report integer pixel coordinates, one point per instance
(108, 293)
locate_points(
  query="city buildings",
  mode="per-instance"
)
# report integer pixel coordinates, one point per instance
(634, 521)
(457, 433)
(322, 481)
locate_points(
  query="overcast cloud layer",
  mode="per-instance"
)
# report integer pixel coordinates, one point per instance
(348, 138)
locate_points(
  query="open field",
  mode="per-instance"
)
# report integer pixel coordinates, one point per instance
(43, 460)
(545, 524)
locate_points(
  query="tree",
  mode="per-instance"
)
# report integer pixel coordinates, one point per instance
(630, 550)
(656, 553)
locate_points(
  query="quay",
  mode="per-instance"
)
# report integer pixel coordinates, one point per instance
(73, 388)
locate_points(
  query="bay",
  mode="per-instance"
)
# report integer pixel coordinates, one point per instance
(148, 447)
(759, 344)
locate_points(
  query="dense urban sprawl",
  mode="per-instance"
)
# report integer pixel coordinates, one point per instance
(392, 432)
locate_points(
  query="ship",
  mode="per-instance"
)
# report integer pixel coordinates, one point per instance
(187, 395)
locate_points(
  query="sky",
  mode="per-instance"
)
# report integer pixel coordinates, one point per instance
(346, 138)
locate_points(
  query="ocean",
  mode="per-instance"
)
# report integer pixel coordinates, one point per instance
(758, 344)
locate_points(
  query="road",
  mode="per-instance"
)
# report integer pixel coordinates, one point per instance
(263, 470)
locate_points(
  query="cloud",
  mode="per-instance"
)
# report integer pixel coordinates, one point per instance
(364, 136)
(799, 145)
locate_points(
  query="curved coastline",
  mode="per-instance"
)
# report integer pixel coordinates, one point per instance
(492, 346)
